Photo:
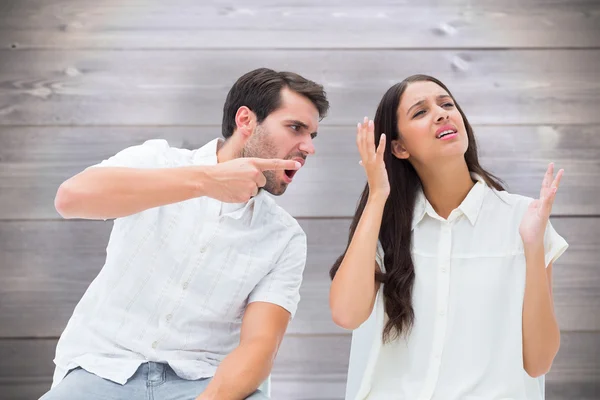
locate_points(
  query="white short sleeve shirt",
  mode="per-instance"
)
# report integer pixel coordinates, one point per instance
(466, 343)
(177, 279)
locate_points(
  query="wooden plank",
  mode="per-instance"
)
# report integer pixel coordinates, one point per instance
(24, 391)
(35, 160)
(310, 367)
(48, 265)
(189, 87)
(188, 24)
(570, 391)
(577, 274)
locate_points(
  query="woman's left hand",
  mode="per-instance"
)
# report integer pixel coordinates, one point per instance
(533, 224)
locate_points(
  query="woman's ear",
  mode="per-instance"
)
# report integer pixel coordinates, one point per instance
(399, 150)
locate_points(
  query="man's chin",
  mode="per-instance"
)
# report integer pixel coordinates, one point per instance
(277, 191)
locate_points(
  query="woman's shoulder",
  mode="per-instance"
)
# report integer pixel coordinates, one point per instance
(510, 199)
(503, 203)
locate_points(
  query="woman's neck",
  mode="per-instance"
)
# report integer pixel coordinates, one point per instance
(446, 186)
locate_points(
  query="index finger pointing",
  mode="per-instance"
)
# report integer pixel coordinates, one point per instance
(275, 164)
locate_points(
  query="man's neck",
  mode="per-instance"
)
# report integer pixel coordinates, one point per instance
(229, 149)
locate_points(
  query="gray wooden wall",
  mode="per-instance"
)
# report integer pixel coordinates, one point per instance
(80, 80)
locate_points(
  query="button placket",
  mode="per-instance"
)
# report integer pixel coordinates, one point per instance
(440, 324)
(191, 268)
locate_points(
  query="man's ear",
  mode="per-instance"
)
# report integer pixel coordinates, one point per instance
(399, 150)
(245, 121)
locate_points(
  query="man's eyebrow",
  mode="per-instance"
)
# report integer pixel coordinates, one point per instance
(302, 125)
(295, 122)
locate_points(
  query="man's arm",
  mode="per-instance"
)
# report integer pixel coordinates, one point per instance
(271, 305)
(113, 192)
(245, 368)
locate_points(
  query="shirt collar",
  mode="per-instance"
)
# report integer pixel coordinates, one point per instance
(419, 211)
(470, 206)
(207, 154)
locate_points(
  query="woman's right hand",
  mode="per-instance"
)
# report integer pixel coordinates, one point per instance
(372, 159)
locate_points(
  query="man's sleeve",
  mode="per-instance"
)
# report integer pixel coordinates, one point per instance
(281, 285)
(150, 154)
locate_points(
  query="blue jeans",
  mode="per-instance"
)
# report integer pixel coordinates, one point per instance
(152, 381)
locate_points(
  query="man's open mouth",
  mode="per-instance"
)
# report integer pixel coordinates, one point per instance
(290, 172)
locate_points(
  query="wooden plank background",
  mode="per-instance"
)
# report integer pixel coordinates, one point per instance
(81, 80)
(290, 24)
(180, 87)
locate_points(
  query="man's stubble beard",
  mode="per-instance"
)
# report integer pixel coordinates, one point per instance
(260, 145)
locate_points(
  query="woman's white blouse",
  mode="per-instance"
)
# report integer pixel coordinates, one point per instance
(466, 342)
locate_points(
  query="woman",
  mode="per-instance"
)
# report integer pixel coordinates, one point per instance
(452, 274)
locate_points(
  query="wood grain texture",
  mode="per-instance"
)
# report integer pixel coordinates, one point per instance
(189, 87)
(81, 80)
(34, 161)
(308, 367)
(48, 265)
(187, 24)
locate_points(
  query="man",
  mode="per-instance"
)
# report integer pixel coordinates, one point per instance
(203, 269)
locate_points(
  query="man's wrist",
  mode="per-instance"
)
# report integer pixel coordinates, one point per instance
(197, 180)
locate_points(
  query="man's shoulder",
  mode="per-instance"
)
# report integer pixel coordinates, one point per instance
(171, 155)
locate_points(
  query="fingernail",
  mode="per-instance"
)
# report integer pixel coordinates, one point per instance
(298, 165)
(371, 123)
(554, 190)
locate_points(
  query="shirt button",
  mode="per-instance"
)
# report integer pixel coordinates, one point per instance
(185, 285)
(203, 250)
(443, 269)
(155, 344)
(442, 313)
(169, 316)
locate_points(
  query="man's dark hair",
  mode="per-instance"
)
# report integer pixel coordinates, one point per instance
(260, 91)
